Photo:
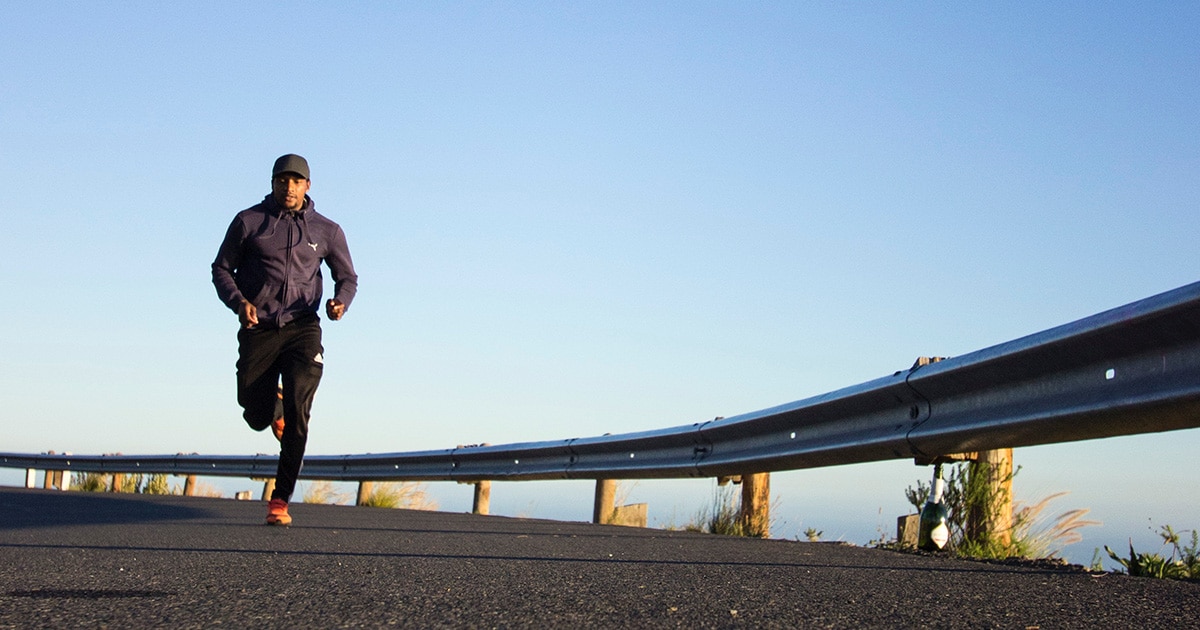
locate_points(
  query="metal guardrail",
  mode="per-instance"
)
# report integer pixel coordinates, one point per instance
(1133, 369)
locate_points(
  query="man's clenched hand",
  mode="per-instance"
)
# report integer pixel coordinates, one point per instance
(335, 309)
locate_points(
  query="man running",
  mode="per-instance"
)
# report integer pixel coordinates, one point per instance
(268, 271)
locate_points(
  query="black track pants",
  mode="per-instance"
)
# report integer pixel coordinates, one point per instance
(294, 353)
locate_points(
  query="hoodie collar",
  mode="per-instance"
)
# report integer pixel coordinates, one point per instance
(278, 210)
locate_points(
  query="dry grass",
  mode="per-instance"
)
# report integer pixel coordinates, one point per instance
(203, 489)
(400, 494)
(324, 492)
(1036, 535)
(724, 517)
(89, 482)
(130, 483)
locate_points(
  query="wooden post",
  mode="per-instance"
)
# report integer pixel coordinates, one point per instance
(755, 513)
(602, 509)
(189, 486)
(30, 478)
(48, 478)
(268, 488)
(990, 518)
(633, 515)
(483, 497)
(54, 480)
(907, 527)
(364, 492)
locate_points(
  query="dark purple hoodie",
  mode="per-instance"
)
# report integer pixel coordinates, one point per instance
(272, 257)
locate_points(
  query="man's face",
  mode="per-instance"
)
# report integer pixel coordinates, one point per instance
(289, 190)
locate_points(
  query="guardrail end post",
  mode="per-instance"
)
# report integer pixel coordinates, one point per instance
(365, 488)
(755, 513)
(602, 510)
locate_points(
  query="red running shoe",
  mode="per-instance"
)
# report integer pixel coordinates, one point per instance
(277, 513)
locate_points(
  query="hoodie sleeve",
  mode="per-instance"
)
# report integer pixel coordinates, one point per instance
(341, 268)
(229, 257)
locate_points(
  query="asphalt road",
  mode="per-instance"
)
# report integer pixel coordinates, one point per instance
(71, 559)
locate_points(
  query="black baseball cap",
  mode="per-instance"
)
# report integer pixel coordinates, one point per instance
(291, 163)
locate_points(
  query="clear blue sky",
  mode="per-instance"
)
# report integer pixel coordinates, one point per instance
(578, 218)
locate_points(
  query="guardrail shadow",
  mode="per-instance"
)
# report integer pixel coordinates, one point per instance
(27, 509)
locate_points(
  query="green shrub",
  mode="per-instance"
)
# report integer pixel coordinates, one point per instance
(132, 484)
(89, 482)
(723, 517)
(157, 484)
(1183, 563)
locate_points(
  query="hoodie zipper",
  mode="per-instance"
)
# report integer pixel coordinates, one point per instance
(287, 268)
